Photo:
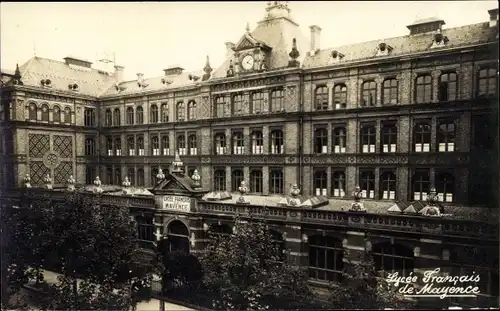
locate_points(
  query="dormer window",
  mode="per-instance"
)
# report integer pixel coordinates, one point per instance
(384, 49)
(46, 82)
(193, 78)
(73, 87)
(336, 57)
(119, 88)
(166, 81)
(439, 40)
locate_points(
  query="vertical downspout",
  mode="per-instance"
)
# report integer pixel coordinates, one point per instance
(301, 128)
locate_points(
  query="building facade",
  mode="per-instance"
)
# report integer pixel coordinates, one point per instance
(397, 117)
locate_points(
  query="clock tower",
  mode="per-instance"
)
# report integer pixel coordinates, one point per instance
(250, 55)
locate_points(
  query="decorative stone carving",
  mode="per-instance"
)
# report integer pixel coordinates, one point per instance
(243, 189)
(27, 181)
(48, 182)
(71, 183)
(98, 183)
(51, 160)
(357, 206)
(196, 179)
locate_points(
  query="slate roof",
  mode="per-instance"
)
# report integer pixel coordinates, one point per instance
(405, 45)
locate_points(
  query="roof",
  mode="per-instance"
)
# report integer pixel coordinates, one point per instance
(405, 45)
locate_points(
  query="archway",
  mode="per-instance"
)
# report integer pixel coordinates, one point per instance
(177, 238)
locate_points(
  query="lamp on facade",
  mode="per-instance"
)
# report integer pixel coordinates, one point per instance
(71, 183)
(357, 206)
(196, 179)
(48, 181)
(98, 183)
(160, 176)
(27, 181)
(243, 189)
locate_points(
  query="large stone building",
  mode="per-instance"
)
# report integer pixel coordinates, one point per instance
(397, 117)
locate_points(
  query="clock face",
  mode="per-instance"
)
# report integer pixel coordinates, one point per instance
(247, 62)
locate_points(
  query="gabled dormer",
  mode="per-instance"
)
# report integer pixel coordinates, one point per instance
(250, 54)
(335, 57)
(383, 49)
(439, 40)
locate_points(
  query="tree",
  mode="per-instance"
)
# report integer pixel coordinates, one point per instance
(246, 270)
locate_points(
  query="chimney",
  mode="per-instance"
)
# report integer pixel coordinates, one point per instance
(173, 70)
(229, 49)
(315, 37)
(119, 73)
(493, 17)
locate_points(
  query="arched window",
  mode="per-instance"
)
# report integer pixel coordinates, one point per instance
(258, 102)
(446, 136)
(89, 117)
(367, 183)
(192, 110)
(153, 114)
(131, 145)
(320, 182)
(139, 112)
(193, 144)
(131, 175)
(238, 102)
(369, 94)
(180, 111)
(276, 181)
(277, 100)
(422, 137)
(388, 185)
(155, 146)
(140, 177)
(220, 107)
(390, 92)
(392, 258)
(257, 142)
(178, 237)
(368, 139)
(118, 146)
(256, 181)
(320, 140)
(117, 176)
(487, 82)
(276, 142)
(164, 112)
(116, 117)
(56, 114)
(339, 139)
(238, 143)
(140, 145)
(67, 115)
(321, 98)
(447, 86)
(109, 146)
(165, 145)
(340, 96)
(32, 112)
(236, 179)
(89, 146)
(45, 112)
(445, 186)
(389, 137)
(423, 93)
(421, 184)
(220, 143)
(220, 180)
(181, 144)
(108, 119)
(325, 258)
(338, 183)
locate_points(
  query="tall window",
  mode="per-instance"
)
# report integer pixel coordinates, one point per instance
(340, 96)
(131, 145)
(181, 144)
(220, 107)
(482, 132)
(118, 146)
(109, 145)
(89, 146)
(422, 137)
(369, 94)
(117, 176)
(257, 142)
(276, 142)
(192, 110)
(89, 175)
(257, 102)
(445, 186)
(321, 98)
(447, 86)
(390, 92)
(32, 114)
(154, 172)
(238, 143)
(88, 117)
(153, 114)
(392, 258)
(108, 118)
(145, 230)
(130, 115)
(320, 182)
(389, 137)
(220, 180)
(220, 143)
(180, 111)
(140, 145)
(67, 115)
(388, 185)
(193, 145)
(155, 146)
(236, 179)
(277, 101)
(421, 184)
(56, 114)
(164, 112)
(368, 139)
(446, 136)
(423, 93)
(116, 117)
(339, 140)
(325, 258)
(131, 175)
(140, 177)
(238, 102)
(367, 183)
(338, 183)
(487, 82)
(139, 111)
(165, 145)
(276, 184)
(45, 113)
(109, 175)
(256, 181)
(320, 140)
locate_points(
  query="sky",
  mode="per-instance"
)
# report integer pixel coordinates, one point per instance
(148, 37)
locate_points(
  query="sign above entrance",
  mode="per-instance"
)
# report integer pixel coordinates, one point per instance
(176, 203)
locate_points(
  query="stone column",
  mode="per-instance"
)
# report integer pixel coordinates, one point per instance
(265, 139)
(435, 74)
(330, 96)
(433, 147)
(228, 178)
(265, 180)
